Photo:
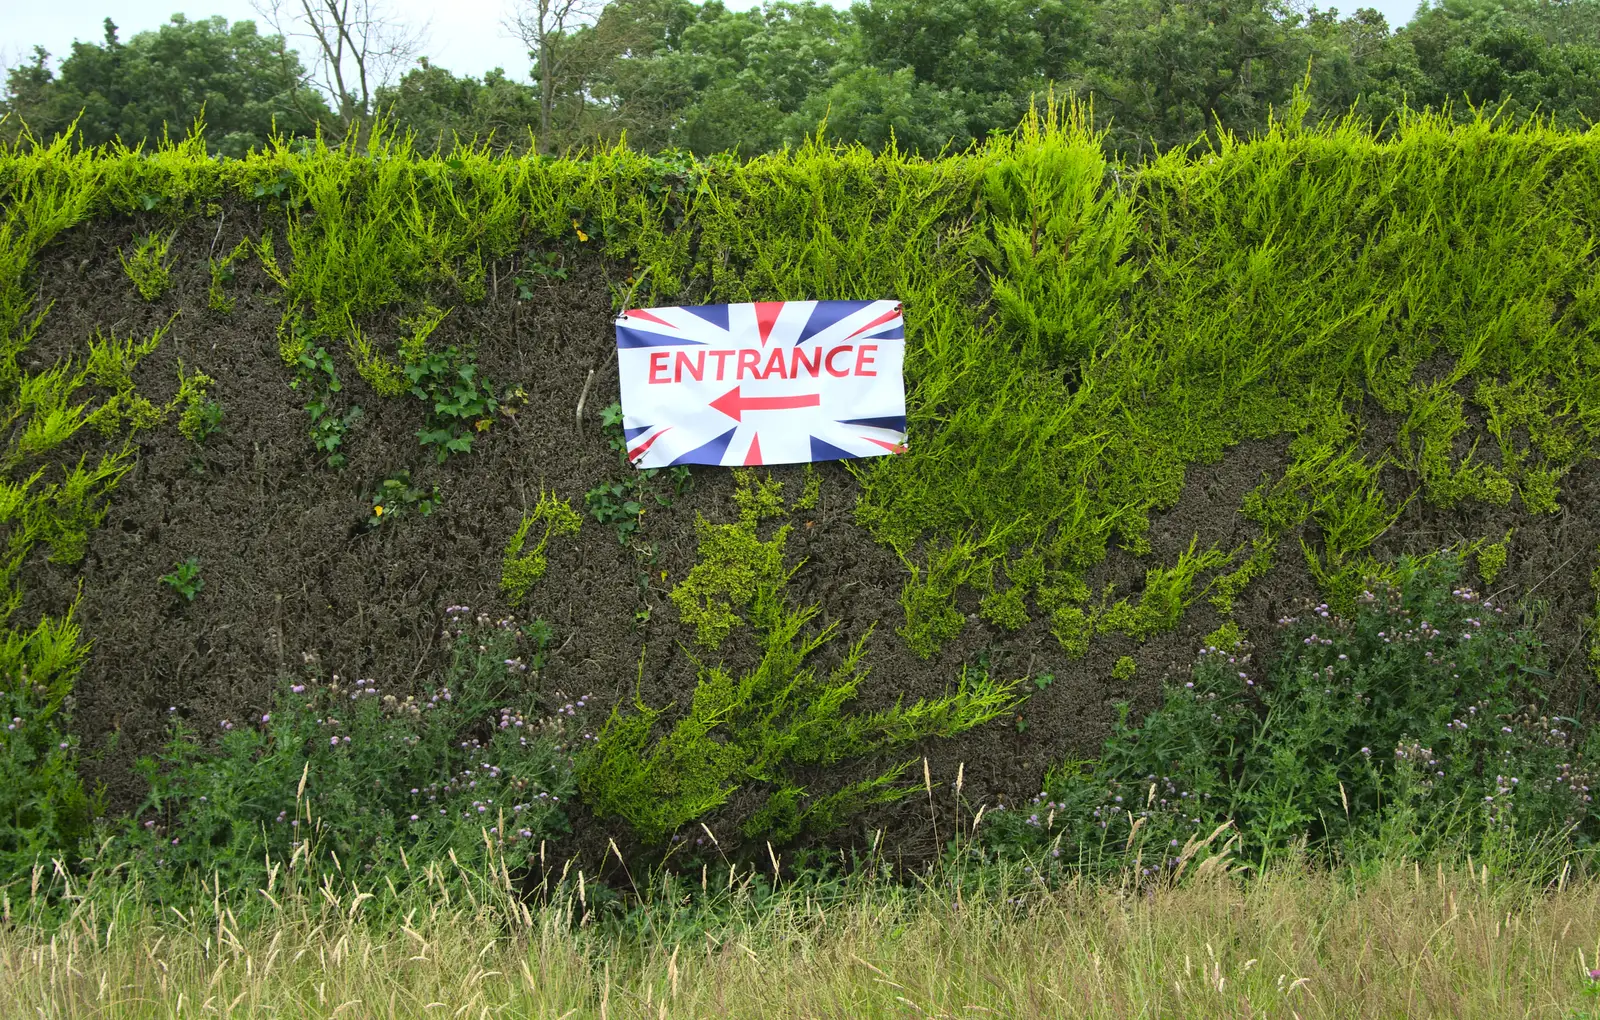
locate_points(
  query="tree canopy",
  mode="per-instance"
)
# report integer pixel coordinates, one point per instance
(926, 75)
(244, 84)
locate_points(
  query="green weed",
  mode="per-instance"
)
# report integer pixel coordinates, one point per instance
(759, 729)
(619, 505)
(520, 570)
(386, 378)
(217, 297)
(149, 268)
(185, 579)
(365, 777)
(201, 417)
(316, 375)
(396, 497)
(735, 573)
(1416, 722)
(460, 403)
(1492, 557)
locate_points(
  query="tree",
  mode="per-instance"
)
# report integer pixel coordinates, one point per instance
(355, 48)
(874, 107)
(1526, 55)
(160, 82)
(440, 107)
(713, 80)
(547, 28)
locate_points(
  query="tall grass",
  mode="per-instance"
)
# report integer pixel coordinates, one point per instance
(1404, 939)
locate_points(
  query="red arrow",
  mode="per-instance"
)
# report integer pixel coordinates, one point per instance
(733, 405)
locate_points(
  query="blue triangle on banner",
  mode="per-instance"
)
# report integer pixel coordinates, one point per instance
(631, 338)
(710, 453)
(636, 433)
(826, 314)
(717, 315)
(827, 451)
(896, 423)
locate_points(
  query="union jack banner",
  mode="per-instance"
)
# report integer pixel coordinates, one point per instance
(769, 382)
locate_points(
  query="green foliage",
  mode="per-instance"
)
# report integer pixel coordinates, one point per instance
(396, 497)
(44, 808)
(621, 503)
(920, 77)
(202, 416)
(337, 772)
(460, 402)
(928, 598)
(1228, 586)
(544, 266)
(386, 378)
(1438, 270)
(316, 375)
(217, 298)
(148, 268)
(1492, 557)
(761, 730)
(757, 498)
(761, 726)
(618, 504)
(251, 87)
(1123, 669)
(185, 578)
(520, 570)
(734, 572)
(1415, 723)
(811, 492)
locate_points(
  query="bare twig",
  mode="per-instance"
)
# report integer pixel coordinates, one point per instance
(583, 397)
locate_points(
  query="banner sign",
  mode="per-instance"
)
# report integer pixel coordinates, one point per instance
(774, 382)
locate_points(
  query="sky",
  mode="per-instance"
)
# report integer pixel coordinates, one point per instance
(465, 36)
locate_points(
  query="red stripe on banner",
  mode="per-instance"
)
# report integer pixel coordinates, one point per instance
(640, 313)
(753, 458)
(892, 313)
(767, 317)
(891, 447)
(638, 451)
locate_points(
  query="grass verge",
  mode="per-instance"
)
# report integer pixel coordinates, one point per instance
(1397, 939)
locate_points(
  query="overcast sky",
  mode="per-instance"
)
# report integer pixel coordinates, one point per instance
(463, 35)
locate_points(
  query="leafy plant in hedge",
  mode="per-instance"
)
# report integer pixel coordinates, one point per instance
(338, 770)
(621, 504)
(519, 570)
(185, 578)
(396, 497)
(148, 268)
(460, 401)
(217, 298)
(44, 807)
(617, 504)
(1416, 721)
(762, 729)
(201, 417)
(315, 373)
